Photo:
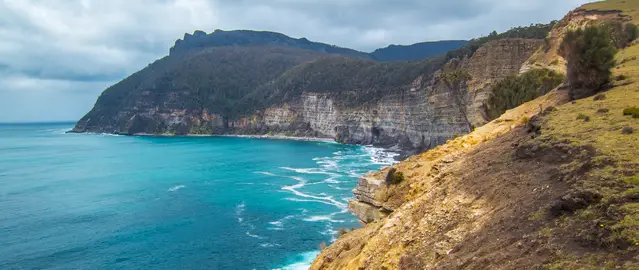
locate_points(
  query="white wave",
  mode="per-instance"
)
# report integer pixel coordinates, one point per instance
(268, 245)
(301, 183)
(308, 171)
(306, 200)
(265, 173)
(59, 131)
(339, 188)
(381, 156)
(279, 224)
(110, 135)
(328, 218)
(239, 211)
(176, 188)
(331, 181)
(302, 262)
(253, 235)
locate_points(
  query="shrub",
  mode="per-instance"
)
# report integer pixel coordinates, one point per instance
(394, 177)
(599, 97)
(631, 32)
(603, 111)
(627, 130)
(581, 116)
(621, 34)
(633, 111)
(513, 91)
(621, 77)
(534, 31)
(591, 55)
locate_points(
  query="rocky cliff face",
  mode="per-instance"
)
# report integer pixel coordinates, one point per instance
(412, 116)
(408, 106)
(533, 189)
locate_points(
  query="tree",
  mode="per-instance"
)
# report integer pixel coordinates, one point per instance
(591, 54)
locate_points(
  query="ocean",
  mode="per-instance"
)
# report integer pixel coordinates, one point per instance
(98, 201)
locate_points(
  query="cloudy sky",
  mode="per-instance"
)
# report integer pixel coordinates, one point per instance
(56, 56)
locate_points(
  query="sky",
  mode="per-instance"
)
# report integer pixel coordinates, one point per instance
(56, 57)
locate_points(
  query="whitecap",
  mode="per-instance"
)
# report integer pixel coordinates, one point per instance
(239, 211)
(265, 173)
(301, 183)
(308, 171)
(303, 261)
(253, 235)
(269, 245)
(279, 224)
(306, 200)
(381, 156)
(328, 218)
(175, 188)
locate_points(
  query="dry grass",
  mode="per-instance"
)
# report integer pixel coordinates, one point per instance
(628, 7)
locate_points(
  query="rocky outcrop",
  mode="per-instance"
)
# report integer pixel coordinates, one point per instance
(490, 64)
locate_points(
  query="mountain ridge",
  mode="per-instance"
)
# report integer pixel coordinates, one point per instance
(220, 38)
(242, 86)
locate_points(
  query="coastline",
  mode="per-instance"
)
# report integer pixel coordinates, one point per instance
(269, 137)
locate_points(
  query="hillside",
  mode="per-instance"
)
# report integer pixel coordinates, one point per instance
(551, 184)
(219, 38)
(416, 51)
(246, 82)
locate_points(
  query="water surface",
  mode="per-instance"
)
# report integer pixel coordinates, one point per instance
(92, 201)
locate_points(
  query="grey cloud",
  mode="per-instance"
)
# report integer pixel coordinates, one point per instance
(68, 51)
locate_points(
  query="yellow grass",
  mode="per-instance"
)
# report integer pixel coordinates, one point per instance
(628, 7)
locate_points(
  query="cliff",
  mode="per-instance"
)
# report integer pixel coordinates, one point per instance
(249, 89)
(537, 188)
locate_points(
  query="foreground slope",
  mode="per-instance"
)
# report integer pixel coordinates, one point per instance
(542, 187)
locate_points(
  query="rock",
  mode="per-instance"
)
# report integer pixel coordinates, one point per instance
(574, 201)
(627, 130)
(366, 189)
(365, 212)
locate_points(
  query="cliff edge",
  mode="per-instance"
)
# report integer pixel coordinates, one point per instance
(551, 184)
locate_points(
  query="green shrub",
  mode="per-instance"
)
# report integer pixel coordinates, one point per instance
(581, 116)
(634, 111)
(631, 32)
(534, 31)
(621, 77)
(394, 177)
(591, 55)
(516, 90)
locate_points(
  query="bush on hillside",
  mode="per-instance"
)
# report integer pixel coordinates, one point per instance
(591, 54)
(394, 177)
(516, 90)
(621, 34)
(633, 111)
(534, 31)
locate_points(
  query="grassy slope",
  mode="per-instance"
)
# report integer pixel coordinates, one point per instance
(628, 7)
(511, 224)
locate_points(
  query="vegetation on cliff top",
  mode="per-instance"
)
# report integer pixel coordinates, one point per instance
(591, 55)
(516, 90)
(534, 31)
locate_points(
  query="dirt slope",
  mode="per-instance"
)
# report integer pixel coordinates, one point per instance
(529, 190)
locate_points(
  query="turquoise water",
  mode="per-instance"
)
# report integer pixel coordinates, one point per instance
(91, 201)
